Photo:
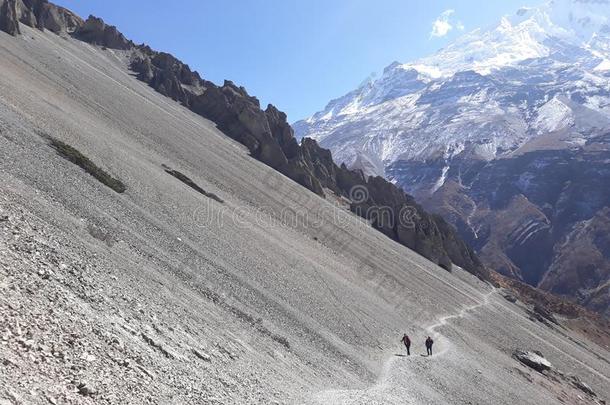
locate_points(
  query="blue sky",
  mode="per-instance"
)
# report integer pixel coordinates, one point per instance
(294, 54)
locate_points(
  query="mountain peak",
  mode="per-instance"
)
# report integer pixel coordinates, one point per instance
(536, 83)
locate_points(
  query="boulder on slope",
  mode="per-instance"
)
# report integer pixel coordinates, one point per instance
(533, 360)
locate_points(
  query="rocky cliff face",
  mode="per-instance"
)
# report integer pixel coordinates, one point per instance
(541, 217)
(265, 133)
(36, 14)
(8, 17)
(95, 31)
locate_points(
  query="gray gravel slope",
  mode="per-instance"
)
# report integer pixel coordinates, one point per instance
(161, 295)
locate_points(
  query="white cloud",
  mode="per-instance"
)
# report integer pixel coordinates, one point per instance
(443, 24)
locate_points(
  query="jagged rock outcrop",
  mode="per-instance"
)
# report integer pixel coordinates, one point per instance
(36, 14)
(49, 16)
(95, 31)
(8, 17)
(267, 135)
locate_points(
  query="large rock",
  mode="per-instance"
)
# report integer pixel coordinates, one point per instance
(533, 360)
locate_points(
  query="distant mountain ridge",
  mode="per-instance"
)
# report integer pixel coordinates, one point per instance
(265, 133)
(488, 93)
(536, 83)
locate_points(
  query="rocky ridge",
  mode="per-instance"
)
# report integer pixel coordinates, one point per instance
(265, 133)
(270, 139)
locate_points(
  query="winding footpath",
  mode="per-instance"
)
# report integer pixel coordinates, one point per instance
(390, 386)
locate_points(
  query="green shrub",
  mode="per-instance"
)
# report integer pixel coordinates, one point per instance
(186, 180)
(69, 153)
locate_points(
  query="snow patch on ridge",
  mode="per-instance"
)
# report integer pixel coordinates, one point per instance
(603, 66)
(553, 116)
(441, 180)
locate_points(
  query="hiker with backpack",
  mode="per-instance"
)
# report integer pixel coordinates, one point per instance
(407, 342)
(429, 343)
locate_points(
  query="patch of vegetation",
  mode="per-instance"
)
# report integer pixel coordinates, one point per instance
(186, 180)
(71, 154)
(281, 340)
(102, 235)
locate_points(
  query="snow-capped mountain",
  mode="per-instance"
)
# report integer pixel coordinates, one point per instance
(489, 93)
(505, 133)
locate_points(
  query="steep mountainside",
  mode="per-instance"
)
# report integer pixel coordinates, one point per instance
(147, 258)
(266, 134)
(504, 132)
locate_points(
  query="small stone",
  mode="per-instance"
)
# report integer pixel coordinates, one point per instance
(43, 348)
(86, 390)
(201, 355)
(88, 357)
(145, 371)
(510, 298)
(28, 344)
(8, 362)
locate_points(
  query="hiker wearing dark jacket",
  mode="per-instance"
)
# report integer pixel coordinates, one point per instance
(429, 343)
(405, 339)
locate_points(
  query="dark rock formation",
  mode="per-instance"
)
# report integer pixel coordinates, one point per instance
(44, 15)
(8, 17)
(268, 137)
(95, 31)
(36, 14)
(541, 314)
